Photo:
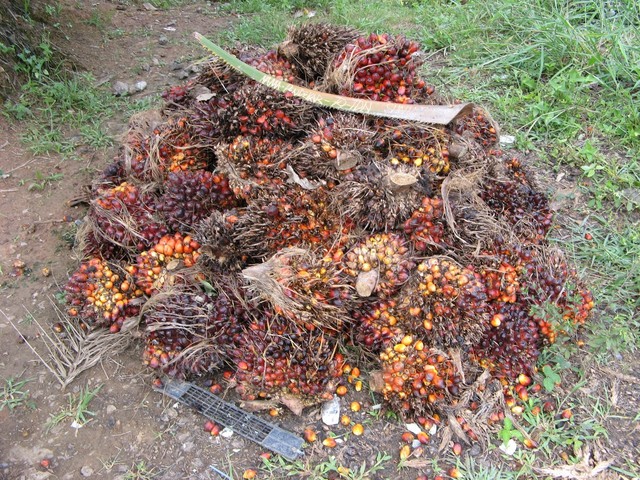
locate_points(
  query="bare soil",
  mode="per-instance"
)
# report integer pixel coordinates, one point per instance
(133, 425)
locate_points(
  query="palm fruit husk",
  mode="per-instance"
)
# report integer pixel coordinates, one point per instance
(279, 358)
(124, 216)
(190, 196)
(379, 67)
(171, 147)
(380, 197)
(290, 216)
(303, 287)
(189, 332)
(416, 378)
(102, 294)
(219, 251)
(425, 228)
(250, 162)
(333, 148)
(380, 264)
(313, 46)
(159, 265)
(447, 303)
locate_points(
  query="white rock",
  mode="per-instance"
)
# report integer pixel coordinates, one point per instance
(86, 471)
(510, 448)
(226, 432)
(507, 139)
(120, 89)
(416, 444)
(413, 428)
(331, 411)
(140, 86)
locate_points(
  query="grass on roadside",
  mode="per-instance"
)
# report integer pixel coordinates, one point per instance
(14, 394)
(77, 409)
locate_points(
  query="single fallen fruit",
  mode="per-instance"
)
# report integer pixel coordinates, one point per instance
(329, 442)
(357, 429)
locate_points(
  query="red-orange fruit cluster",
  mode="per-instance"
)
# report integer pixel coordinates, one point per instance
(170, 253)
(124, 215)
(376, 325)
(277, 357)
(387, 256)
(383, 69)
(416, 378)
(190, 196)
(447, 302)
(171, 147)
(425, 228)
(101, 293)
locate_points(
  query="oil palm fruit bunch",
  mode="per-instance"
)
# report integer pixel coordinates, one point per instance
(379, 197)
(417, 378)
(377, 324)
(425, 227)
(379, 67)
(102, 294)
(512, 344)
(479, 127)
(155, 266)
(177, 96)
(312, 47)
(190, 196)
(188, 332)
(379, 264)
(278, 357)
(290, 217)
(338, 143)
(171, 147)
(124, 215)
(402, 142)
(517, 202)
(302, 286)
(253, 162)
(447, 303)
(250, 110)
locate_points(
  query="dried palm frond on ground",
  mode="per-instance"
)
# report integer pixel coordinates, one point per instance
(74, 348)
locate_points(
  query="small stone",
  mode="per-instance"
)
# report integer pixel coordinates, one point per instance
(188, 446)
(182, 74)
(111, 409)
(156, 62)
(163, 40)
(413, 428)
(507, 139)
(120, 89)
(140, 86)
(86, 471)
(175, 66)
(331, 411)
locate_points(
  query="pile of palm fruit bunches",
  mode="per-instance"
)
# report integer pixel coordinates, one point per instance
(251, 233)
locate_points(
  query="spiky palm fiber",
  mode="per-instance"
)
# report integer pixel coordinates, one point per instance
(312, 47)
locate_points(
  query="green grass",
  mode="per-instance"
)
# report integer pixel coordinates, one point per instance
(77, 409)
(14, 395)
